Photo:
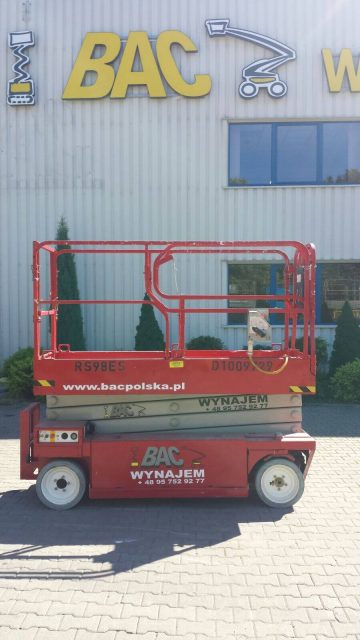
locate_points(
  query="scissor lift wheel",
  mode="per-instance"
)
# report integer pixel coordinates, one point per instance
(248, 90)
(279, 482)
(277, 89)
(61, 484)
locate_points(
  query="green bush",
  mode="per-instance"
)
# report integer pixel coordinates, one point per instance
(16, 357)
(345, 383)
(149, 336)
(205, 342)
(323, 389)
(70, 328)
(320, 346)
(18, 371)
(346, 346)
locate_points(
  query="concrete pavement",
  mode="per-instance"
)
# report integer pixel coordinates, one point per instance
(165, 570)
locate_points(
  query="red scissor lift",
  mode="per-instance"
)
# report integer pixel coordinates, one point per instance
(177, 422)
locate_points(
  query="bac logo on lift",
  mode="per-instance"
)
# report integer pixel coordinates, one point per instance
(167, 456)
(155, 456)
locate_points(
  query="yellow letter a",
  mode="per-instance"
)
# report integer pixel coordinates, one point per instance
(346, 65)
(138, 41)
(84, 63)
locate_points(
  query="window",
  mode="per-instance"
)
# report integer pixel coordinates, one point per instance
(252, 279)
(337, 282)
(296, 154)
(282, 153)
(250, 154)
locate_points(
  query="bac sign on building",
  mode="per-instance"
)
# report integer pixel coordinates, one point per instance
(157, 64)
(137, 44)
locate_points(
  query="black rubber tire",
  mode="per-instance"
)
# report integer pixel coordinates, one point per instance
(296, 475)
(74, 468)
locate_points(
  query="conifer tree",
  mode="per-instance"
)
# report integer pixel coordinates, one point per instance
(347, 339)
(149, 336)
(69, 324)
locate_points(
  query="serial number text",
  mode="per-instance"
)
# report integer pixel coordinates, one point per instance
(99, 365)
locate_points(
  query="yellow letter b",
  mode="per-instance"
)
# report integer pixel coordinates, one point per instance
(105, 74)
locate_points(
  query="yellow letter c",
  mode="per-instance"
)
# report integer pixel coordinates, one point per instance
(202, 83)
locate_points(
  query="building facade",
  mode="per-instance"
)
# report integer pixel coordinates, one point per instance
(179, 120)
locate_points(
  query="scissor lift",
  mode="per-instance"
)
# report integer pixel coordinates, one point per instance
(176, 422)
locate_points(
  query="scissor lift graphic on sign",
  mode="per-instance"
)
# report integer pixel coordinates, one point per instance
(258, 74)
(21, 89)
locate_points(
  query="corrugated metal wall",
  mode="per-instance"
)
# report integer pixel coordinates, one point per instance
(143, 168)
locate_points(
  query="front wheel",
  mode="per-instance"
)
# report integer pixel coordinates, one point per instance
(61, 484)
(279, 482)
(277, 89)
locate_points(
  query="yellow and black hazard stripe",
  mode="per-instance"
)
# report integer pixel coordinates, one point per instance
(305, 389)
(44, 383)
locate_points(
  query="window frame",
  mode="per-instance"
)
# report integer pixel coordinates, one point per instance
(275, 125)
(273, 266)
(319, 283)
(272, 281)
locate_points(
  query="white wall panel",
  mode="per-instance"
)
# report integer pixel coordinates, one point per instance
(143, 168)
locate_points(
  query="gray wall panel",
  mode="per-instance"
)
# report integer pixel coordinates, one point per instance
(156, 169)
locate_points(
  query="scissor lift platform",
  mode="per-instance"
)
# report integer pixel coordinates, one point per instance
(176, 422)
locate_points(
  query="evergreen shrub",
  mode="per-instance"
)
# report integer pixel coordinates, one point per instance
(69, 324)
(346, 347)
(149, 336)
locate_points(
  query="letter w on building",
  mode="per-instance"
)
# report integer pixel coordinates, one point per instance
(346, 66)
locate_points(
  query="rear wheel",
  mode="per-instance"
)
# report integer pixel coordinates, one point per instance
(279, 482)
(61, 484)
(248, 90)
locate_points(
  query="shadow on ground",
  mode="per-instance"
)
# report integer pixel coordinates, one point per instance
(135, 533)
(104, 538)
(332, 420)
(10, 420)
